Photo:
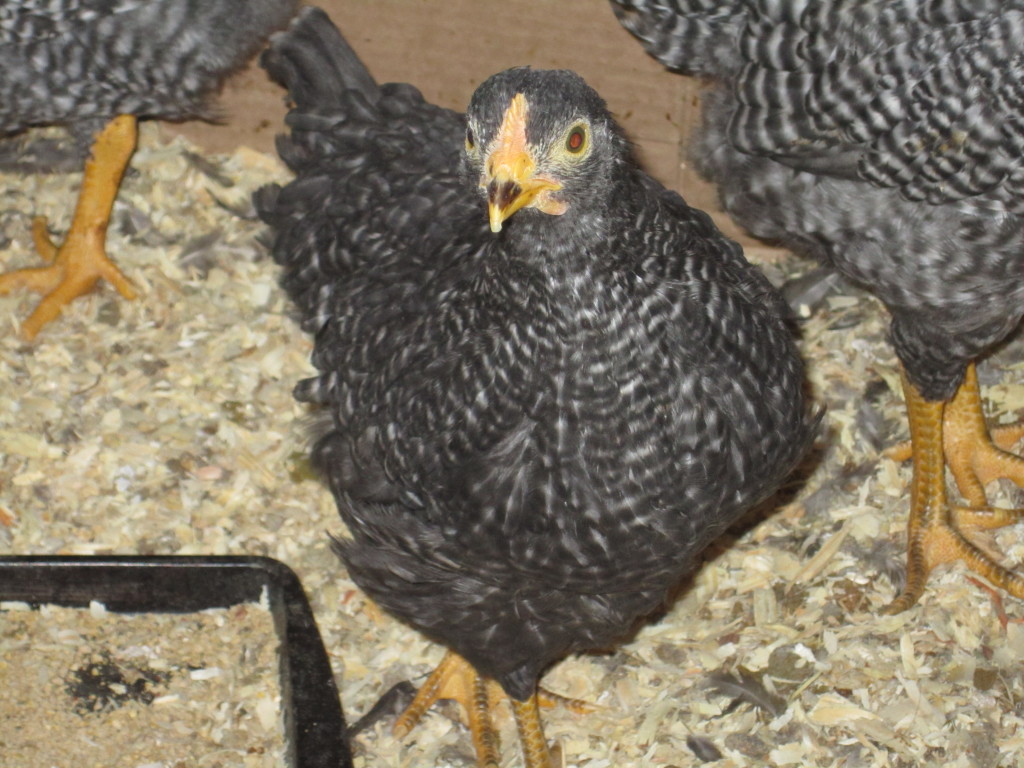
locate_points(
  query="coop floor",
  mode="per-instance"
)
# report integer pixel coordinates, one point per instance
(166, 425)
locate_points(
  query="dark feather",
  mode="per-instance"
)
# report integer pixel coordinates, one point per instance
(85, 61)
(883, 138)
(746, 687)
(393, 702)
(703, 748)
(532, 434)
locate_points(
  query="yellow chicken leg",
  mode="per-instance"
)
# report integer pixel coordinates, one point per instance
(456, 679)
(975, 457)
(934, 527)
(81, 261)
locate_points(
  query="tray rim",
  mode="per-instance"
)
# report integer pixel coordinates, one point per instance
(314, 723)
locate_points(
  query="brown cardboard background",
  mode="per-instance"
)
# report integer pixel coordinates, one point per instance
(448, 47)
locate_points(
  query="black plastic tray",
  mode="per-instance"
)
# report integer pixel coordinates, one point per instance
(314, 725)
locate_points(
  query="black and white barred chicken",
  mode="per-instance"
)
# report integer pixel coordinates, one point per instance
(886, 139)
(98, 66)
(549, 383)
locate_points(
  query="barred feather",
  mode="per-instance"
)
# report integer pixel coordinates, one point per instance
(883, 137)
(66, 61)
(531, 434)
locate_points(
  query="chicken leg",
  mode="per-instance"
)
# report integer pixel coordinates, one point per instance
(81, 261)
(974, 453)
(954, 432)
(456, 679)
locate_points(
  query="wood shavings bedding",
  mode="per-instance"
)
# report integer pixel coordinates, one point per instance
(85, 687)
(167, 426)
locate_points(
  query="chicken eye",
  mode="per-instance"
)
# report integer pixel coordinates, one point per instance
(470, 140)
(576, 140)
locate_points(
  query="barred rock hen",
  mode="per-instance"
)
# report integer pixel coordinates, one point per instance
(886, 139)
(550, 382)
(98, 66)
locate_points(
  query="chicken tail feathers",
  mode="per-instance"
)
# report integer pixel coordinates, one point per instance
(374, 165)
(316, 64)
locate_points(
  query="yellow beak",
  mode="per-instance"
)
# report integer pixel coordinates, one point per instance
(510, 177)
(509, 189)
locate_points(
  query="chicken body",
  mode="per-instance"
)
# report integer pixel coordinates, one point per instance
(532, 432)
(885, 139)
(64, 62)
(97, 66)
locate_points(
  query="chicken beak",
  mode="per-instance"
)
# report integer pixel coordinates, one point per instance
(510, 176)
(509, 191)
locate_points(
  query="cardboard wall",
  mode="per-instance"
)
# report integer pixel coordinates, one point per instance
(448, 47)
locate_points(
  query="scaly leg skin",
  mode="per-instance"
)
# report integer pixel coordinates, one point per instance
(81, 261)
(933, 528)
(531, 734)
(975, 454)
(456, 679)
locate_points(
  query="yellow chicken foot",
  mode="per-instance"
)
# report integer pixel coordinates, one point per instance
(531, 733)
(974, 453)
(547, 700)
(934, 527)
(973, 456)
(456, 679)
(81, 261)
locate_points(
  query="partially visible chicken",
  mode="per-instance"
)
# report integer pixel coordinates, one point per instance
(99, 66)
(887, 139)
(548, 382)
